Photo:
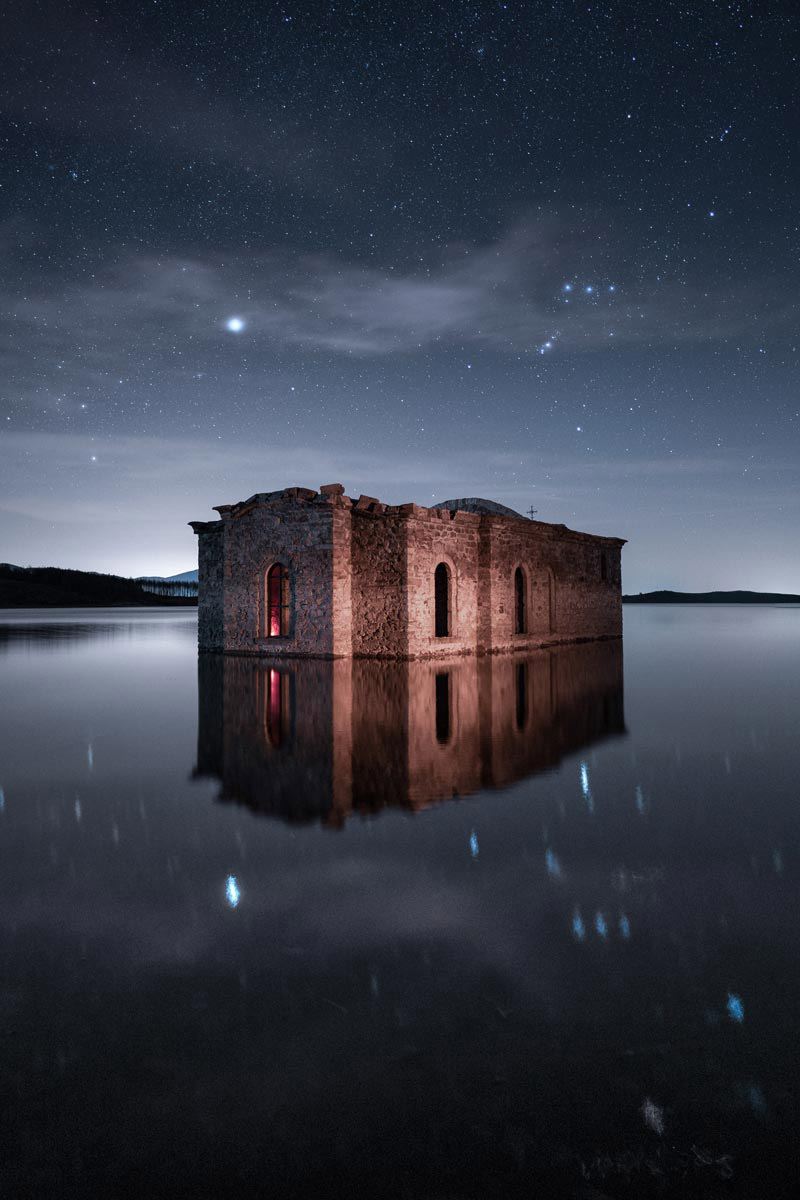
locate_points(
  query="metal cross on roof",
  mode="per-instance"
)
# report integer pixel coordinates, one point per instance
(532, 512)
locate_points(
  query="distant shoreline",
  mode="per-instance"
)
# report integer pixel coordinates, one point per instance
(54, 587)
(706, 598)
(161, 602)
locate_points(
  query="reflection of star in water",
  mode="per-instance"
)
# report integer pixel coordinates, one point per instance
(234, 324)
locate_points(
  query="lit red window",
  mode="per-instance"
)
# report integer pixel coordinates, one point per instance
(278, 601)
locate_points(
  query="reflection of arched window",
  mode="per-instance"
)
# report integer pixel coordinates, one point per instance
(441, 592)
(278, 601)
(443, 706)
(522, 695)
(277, 714)
(520, 624)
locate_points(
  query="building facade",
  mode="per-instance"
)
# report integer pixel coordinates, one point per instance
(317, 574)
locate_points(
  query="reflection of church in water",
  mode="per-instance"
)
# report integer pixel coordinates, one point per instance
(322, 740)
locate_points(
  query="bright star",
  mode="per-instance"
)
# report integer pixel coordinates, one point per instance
(588, 289)
(712, 214)
(567, 287)
(234, 325)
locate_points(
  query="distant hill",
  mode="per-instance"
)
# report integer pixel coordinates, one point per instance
(184, 577)
(711, 598)
(52, 587)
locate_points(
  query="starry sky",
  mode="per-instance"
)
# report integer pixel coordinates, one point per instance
(545, 253)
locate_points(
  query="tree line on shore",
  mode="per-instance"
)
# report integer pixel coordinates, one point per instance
(56, 587)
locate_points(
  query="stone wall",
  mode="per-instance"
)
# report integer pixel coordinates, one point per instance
(379, 580)
(435, 536)
(341, 577)
(297, 532)
(566, 596)
(210, 576)
(362, 578)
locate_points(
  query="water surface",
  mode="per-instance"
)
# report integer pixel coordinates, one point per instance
(489, 927)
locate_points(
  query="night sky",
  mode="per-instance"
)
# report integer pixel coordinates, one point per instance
(545, 253)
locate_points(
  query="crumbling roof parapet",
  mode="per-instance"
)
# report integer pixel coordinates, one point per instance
(470, 510)
(206, 526)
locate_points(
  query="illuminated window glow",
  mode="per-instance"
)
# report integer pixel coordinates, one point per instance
(278, 601)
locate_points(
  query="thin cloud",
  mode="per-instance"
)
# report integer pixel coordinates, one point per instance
(151, 316)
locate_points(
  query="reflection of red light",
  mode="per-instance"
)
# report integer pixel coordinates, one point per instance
(275, 708)
(274, 623)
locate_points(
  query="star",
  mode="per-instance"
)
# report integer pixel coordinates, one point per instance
(234, 324)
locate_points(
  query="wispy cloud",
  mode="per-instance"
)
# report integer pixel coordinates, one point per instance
(542, 288)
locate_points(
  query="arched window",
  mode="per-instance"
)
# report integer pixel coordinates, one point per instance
(443, 707)
(520, 605)
(441, 595)
(278, 601)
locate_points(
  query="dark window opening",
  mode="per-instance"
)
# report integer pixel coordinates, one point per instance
(278, 601)
(443, 707)
(519, 601)
(522, 695)
(441, 590)
(603, 565)
(278, 708)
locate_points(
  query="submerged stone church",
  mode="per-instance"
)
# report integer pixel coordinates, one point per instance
(315, 573)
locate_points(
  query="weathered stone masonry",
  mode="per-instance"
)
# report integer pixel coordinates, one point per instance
(366, 579)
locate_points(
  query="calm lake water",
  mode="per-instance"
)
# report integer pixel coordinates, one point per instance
(492, 928)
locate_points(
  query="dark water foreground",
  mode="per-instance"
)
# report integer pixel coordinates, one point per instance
(239, 958)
